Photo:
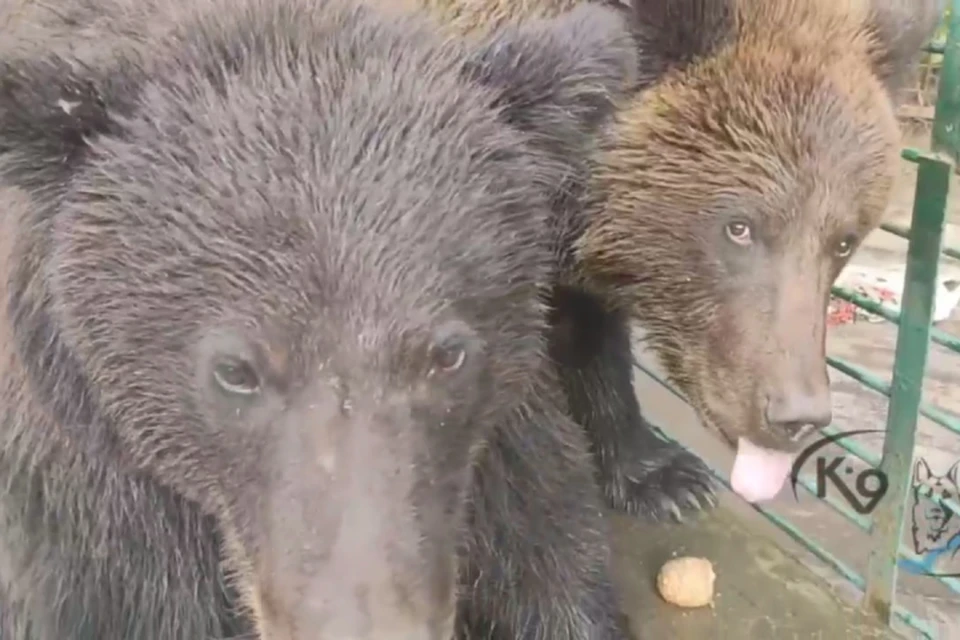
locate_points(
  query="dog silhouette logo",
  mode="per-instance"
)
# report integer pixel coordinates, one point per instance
(935, 523)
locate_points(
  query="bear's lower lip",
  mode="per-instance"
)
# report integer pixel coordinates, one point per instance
(759, 473)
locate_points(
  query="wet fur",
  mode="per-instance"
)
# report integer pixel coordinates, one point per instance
(779, 109)
(112, 524)
(780, 113)
(641, 473)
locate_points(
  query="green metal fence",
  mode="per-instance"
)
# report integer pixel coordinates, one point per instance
(885, 524)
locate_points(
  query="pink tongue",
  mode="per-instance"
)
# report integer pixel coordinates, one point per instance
(759, 473)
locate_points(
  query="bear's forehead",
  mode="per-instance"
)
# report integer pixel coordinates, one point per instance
(274, 236)
(791, 108)
(393, 188)
(791, 137)
(379, 190)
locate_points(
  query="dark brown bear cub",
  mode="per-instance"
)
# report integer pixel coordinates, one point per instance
(273, 319)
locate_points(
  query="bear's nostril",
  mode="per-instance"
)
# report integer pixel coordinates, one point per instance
(799, 414)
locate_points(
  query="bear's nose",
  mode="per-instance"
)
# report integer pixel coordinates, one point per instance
(797, 413)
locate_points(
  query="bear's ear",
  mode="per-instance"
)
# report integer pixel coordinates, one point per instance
(671, 34)
(49, 110)
(901, 28)
(559, 78)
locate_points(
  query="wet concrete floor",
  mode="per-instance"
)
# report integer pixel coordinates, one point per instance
(762, 592)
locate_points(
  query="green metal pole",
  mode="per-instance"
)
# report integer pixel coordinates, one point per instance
(913, 341)
(934, 172)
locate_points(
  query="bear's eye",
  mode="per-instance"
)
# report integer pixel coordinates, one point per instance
(236, 377)
(739, 233)
(447, 358)
(845, 247)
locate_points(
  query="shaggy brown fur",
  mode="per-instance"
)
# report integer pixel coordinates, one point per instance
(663, 478)
(782, 123)
(773, 116)
(473, 18)
(271, 306)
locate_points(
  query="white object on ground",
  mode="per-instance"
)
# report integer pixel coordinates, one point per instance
(885, 285)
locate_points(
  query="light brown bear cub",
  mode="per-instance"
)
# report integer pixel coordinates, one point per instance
(756, 153)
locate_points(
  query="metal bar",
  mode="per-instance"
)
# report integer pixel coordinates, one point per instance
(874, 462)
(949, 582)
(868, 379)
(914, 622)
(849, 446)
(942, 338)
(911, 620)
(852, 447)
(874, 382)
(860, 521)
(863, 524)
(904, 232)
(913, 341)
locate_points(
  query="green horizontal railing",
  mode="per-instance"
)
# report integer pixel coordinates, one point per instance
(885, 524)
(904, 232)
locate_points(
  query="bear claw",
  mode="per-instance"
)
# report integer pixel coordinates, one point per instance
(677, 486)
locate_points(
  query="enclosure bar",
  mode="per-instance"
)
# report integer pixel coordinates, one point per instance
(855, 449)
(851, 447)
(863, 523)
(874, 462)
(911, 620)
(942, 338)
(869, 380)
(949, 582)
(860, 521)
(880, 386)
(913, 342)
(904, 232)
(914, 622)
